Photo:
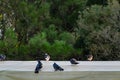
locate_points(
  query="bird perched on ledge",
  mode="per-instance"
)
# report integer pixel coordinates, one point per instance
(57, 67)
(38, 67)
(2, 57)
(73, 61)
(90, 57)
(47, 57)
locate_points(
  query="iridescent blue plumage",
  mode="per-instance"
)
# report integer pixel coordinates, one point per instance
(57, 67)
(38, 67)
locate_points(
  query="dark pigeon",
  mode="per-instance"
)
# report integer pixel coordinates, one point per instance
(57, 67)
(2, 57)
(73, 61)
(38, 67)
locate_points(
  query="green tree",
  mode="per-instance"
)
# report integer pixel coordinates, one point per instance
(27, 18)
(99, 32)
(2, 18)
(97, 2)
(64, 13)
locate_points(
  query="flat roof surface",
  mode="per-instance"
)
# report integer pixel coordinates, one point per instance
(47, 66)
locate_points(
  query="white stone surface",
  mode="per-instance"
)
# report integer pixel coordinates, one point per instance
(47, 66)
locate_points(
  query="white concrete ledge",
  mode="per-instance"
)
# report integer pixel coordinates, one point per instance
(47, 66)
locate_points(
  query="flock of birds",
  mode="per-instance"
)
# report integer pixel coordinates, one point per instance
(55, 65)
(47, 58)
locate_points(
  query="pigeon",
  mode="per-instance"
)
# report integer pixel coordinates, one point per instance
(57, 67)
(38, 67)
(90, 57)
(73, 61)
(47, 57)
(2, 57)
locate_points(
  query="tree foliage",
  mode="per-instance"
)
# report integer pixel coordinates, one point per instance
(66, 12)
(62, 28)
(99, 29)
(98, 2)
